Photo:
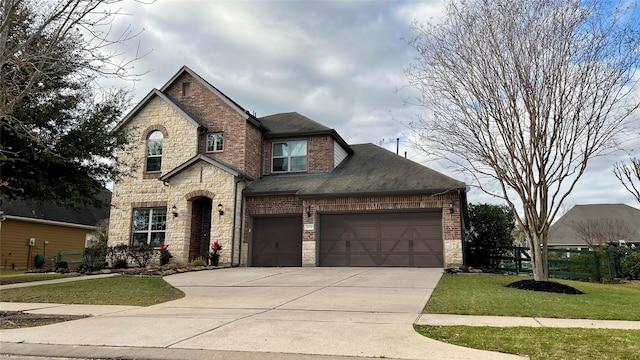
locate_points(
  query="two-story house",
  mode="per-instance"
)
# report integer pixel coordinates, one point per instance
(279, 190)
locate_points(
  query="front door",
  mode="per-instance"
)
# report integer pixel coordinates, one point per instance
(200, 228)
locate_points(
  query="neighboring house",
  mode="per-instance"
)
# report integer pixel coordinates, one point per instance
(589, 226)
(279, 190)
(31, 228)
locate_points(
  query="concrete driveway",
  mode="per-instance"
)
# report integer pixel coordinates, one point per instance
(365, 312)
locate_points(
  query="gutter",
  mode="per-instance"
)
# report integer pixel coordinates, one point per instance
(51, 222)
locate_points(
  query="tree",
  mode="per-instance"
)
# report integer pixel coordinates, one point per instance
(629, 176)
(491, 227)
(596, 232)
(55, 139)
(521, 94)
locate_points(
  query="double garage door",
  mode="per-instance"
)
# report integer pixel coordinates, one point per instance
(394, 239)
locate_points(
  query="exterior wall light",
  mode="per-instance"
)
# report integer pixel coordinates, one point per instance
(220, 209)
(450, 206)
(308, 210)
(174, 211)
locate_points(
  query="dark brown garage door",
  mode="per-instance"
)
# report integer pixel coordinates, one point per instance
(398, 239)
(277, 241)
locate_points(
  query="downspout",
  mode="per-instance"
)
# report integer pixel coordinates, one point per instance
(241, 229)
(235, 214)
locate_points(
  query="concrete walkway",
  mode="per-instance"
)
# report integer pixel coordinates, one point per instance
(307, 313)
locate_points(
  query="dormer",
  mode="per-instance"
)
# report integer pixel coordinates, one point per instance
(293, 143)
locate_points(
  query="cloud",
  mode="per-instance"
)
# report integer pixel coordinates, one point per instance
(340, 63)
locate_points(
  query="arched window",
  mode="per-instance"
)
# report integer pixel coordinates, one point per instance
(154, 151)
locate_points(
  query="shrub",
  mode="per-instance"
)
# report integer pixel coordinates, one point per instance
(141, 254)
(165, 255)
(197, 262)
(95, 257)
(62, 265)
(120, 264)
(117, 252)
(630, 266)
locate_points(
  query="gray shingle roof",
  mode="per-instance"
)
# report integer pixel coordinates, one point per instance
(82, 215)
(566, 231)
(370, 170)
(291, 123)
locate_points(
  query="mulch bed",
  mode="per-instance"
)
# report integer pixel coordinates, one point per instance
(546, 286)
(19, 319)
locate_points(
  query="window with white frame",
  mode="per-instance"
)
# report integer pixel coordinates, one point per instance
(154, 151)
(289, 156)
(149, 226)
(215, 142)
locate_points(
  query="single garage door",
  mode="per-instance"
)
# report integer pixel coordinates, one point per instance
(397, 239)
(276, 241)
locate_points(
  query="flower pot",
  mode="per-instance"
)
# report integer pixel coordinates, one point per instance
(213, 261)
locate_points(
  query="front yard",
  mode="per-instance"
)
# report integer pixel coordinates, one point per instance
(487, 295)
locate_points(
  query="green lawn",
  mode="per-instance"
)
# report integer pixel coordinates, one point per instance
(139, 291)
(487, 295)
(542, 343)
(14, 277)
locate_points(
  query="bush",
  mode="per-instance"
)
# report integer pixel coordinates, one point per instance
(141, 255)
(630, 266)
(197, 262)
(95, 257)
(120, 264)
(62, 265)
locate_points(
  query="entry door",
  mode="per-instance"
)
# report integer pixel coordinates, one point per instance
(200, 228)
(276, 241)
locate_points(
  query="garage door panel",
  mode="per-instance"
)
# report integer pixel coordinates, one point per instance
(392, 245)
(392, 239)
(277, 241)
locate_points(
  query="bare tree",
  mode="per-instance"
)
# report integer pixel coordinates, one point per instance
(29, 57)
(596, 232)
(522, 94)
(629, 176)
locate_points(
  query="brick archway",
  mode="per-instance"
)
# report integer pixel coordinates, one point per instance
(190, 196)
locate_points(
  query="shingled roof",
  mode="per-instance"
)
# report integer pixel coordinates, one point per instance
(566, 231)
(370, 170)
(81, 215)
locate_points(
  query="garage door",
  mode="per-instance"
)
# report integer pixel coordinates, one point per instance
(398, 239)
(276, 241)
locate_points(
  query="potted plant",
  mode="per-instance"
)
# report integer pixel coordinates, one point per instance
(165, 255)
(214, 255)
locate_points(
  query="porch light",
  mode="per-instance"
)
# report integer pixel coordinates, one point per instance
(174, 211)
(450, 206)
(220, 209)
(308, 210)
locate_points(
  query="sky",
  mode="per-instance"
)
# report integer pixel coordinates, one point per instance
(340, 63)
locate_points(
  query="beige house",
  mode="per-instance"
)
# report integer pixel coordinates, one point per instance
(280, 190)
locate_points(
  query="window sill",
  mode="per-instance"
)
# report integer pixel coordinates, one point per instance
(151, 175)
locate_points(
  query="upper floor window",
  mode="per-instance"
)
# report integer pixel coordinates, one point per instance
(149, 226)
(289, 156)
(215, 142)
(154, 151)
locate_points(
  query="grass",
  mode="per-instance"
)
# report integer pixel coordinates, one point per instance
(487, 295)
(137, 291)
(542, 343)
(15, 277)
